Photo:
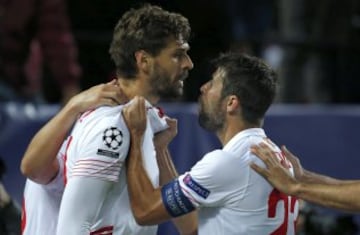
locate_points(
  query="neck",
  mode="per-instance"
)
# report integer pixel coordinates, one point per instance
(137, 87)
(231, 128)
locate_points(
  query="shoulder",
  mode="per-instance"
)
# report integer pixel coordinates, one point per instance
(213, 161)
(101, 118)
(100, 113)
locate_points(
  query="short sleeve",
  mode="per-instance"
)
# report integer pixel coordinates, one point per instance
(211, 180)
(100, 144)
(56, 186)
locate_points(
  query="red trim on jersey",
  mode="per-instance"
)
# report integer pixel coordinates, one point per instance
(23, 216)
(84, 115)
(161, 112)
(65, 158)
(108, 230)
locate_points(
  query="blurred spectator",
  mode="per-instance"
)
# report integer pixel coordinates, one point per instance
(312, 221)
(32, 32)
(252, 23)
(10, 213)
(322, 53)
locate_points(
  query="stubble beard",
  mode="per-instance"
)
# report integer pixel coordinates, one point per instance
(212, 122)
(161, 85)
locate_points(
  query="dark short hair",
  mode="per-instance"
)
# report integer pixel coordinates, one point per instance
(146, 28)
(251, 80)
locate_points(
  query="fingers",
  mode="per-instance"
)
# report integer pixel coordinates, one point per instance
(172, 122)
(135, 116)
(291, 157)
(111, 90)
(266, 154)
(263, 151)
(258, 169)
(108, 102)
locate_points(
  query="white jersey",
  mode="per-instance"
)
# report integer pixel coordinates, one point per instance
(234, 199)
(41, 203)
(98, 149)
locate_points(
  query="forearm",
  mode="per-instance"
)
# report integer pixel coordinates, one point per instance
(39, 162)
(166, 166)
(343, 196)
(186, 223)
(315, 178)
(144, 198)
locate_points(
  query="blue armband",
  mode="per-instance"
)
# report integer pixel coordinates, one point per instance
(175, 201)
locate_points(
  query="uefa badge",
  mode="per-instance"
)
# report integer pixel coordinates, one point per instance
(113, 138)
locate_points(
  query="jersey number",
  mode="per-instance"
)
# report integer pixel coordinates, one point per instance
(274, 198)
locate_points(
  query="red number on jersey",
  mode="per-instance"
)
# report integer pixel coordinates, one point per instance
(274, 198)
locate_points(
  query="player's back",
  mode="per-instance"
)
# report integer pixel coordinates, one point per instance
(41, 205)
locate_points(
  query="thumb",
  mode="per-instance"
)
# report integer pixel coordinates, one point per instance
(171, 121)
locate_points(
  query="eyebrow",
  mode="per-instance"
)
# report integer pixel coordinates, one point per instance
(183, 46)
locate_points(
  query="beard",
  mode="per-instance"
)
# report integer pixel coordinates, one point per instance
(211, 121)
(162, 84)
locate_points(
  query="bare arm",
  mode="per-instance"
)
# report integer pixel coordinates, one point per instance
(186, 224)
(146, 201)
(39, 161)
(304, 175)
(322, 190)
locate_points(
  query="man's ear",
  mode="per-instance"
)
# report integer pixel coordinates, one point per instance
(233, 104)
(143, 61)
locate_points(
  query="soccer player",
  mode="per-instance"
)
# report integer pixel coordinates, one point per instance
(44, 171)
(230, 197)
(309, 186)
(149, 49)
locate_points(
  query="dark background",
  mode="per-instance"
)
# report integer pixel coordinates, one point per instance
(314, 45)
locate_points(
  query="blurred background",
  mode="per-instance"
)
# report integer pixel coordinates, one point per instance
(52, 49)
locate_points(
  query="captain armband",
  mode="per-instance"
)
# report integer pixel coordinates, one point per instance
(175, 201)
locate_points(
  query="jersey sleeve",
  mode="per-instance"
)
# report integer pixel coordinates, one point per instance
(56, 186)
(80, 206)
(212, 179)
(101, 144)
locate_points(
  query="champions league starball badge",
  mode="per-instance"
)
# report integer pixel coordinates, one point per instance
(113, 138)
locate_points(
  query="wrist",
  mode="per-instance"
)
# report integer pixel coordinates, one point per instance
(160, 147)
(296, 189)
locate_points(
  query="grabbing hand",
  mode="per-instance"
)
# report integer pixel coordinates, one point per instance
(108, 94)
(162, 139)
(135, 116)
(298, 169)
(275, 172)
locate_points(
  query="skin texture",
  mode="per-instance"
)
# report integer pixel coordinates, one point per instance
(171, 67)
(160, 76)
(309, 186)
(151, 210)
(39, 161)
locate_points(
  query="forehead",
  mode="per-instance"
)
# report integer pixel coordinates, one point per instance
(177, 44)
(219, 74)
